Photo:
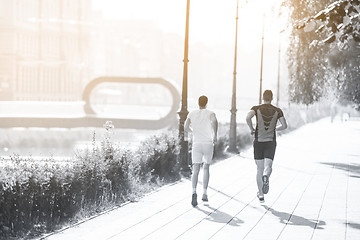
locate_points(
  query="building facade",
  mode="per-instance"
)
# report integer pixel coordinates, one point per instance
(43, 49)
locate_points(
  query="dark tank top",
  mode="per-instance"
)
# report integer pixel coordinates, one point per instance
(266, 119)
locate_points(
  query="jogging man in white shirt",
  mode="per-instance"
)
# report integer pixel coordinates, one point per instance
(204, 126)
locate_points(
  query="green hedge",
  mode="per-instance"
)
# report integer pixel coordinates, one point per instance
(37, 197)
(41, 196)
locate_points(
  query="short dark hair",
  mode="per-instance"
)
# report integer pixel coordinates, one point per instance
(268, 95)
(203, 101)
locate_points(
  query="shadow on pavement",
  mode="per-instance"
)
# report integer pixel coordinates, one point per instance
(291, 219)
(215, 215)
(229, 196)
(352, 168)
(354, 225)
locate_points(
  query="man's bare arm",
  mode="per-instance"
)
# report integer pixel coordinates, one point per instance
(249, 116)
(214, 123)
(187, 128)
(283, 124)
(187, 125)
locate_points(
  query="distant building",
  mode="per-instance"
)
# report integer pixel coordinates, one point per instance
(50, 49)
(136, 48)
(44, 49)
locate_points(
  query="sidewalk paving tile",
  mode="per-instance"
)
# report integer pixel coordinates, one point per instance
(314, 194)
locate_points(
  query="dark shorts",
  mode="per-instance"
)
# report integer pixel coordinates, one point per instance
(264, 150)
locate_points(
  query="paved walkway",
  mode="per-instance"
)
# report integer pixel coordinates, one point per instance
(314, 194)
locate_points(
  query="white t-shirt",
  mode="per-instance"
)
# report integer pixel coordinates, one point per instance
(200, 120)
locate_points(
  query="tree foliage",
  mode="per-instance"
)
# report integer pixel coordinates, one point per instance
(324, 50)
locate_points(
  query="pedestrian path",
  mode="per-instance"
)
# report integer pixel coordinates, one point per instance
(314, 194)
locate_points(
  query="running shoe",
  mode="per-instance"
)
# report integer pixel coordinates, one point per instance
(265, 187)
(204, 198)
(194, 200)
(261, 199)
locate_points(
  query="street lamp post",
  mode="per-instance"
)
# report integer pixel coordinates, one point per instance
(232, 138)
(278, 77)
(262, 59)
(184, 152)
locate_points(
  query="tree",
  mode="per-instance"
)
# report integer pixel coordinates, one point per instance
(324, 50)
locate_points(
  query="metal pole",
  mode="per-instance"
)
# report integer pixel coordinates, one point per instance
(278, 77)
(184, 152)
(232, 138)
(262, 56)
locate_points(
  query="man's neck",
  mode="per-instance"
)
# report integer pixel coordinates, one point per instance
(202, 107)
(267, 102)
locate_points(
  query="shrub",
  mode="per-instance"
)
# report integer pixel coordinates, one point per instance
(243, 139)
(41, 196)
(158, 157)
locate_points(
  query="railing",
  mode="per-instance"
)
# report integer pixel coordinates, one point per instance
(91, 119)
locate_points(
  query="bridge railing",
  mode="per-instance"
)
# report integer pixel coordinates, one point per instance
(92, 119)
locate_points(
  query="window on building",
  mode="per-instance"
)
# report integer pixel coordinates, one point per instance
(2, 9)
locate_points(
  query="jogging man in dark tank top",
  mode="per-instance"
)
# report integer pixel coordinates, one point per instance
(267, 117)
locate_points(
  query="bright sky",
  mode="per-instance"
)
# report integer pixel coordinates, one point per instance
(212, 22)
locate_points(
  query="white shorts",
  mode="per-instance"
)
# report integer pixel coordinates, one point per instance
(202, 152)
